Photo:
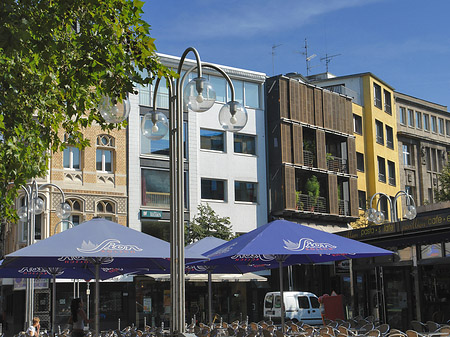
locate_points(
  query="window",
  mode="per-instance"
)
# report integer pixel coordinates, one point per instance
(377, 95)
(431, 251)
(391, 171)
(433, 124)
(160, 147)
(418, 120)
(104, 153)
(359, 161)
(441, 126)
(411, 118)
(219, 84)
(71, 158)
(357, 124)
(447, 127)
(403, 116)
(37, 221)
(106, 210)
(251, 94)
(75, 216)
(426, 122)
(379, 132)
(387, 102)
(244, 143)
(389, 137)
(212, 140)
(155, 188)
(362, 202)
(303, 302)
(213, 189)
(245, 191)
(381, 169)
(407, 160)
(238, 91)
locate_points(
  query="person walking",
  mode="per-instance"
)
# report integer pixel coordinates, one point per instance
(33, 330)
(77, 317)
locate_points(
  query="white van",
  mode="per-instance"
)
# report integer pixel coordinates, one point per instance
(301, 305)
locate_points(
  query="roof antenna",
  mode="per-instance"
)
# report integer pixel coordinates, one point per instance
(273, 57)
(308, 58)
(328, 59)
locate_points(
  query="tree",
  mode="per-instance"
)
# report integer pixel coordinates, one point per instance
(57, 60)
(208, 223)
(443, 193)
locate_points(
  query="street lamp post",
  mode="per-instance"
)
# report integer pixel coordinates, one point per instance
(33, 206)
(376, 216)
(199, 96)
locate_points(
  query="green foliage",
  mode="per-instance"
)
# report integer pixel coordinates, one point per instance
(57, 58)
(208, 223)
(312, 187)
(443, 193)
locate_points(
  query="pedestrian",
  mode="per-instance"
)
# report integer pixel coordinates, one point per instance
(322, 309)
(77, 317)
(33, 330)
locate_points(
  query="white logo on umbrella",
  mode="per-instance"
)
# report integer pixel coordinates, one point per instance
(107, 245)
(307, 244)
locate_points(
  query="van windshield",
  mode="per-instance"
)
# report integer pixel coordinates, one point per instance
(314, 302)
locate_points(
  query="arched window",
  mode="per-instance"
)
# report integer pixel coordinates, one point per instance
(105, 153)
(106, 210)
(76, 215)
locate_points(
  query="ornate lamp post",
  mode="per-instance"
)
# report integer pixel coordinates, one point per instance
(34, 206)
(377, 216)
(199, 96)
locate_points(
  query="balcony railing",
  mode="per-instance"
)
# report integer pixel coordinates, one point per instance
(382, 177)
(311, 204)
(308, 158)
(392, 181)
(344, 207)
(157, 199)
(337, 164)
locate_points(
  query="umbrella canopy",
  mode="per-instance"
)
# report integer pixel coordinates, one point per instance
(282, 243)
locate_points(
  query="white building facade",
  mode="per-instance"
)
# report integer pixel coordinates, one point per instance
(225, 170)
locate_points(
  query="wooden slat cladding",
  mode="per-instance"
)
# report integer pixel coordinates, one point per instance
(335, 111)
(353, 186)
(349, 113)
(286, 143)
(295, 100)
(309, 104)
(318, 108)
(289, 187)
(351, 148)
(333, 194)
(297, 139)
(284, 102)
(327, 110)
(320, 149)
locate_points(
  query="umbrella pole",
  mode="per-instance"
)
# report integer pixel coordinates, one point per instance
(54, 306)
(97, 299)
(280, 266)
(209, 297)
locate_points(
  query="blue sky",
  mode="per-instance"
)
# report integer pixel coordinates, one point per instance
(406, 43)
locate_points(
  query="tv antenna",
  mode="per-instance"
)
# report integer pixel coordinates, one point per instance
(328, 59)
(308, 58)
(273, 57)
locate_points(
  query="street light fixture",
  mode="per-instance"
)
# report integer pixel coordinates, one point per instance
(199, 96)
(377, 216)
(33, 206)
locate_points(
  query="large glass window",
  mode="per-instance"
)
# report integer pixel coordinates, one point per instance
(426, 122)
(379, 132)
(104, 153)
(433, 124)
(362, 200)
(359, 161)
(251, 94)
(377, 95)
(71, 158)
(161, 147)
(447, 127)
(244, 143)
(410, 117)
(219, 84)
(238, 91)
(212, 140)
(389, 137)
(407, 155)
(441, 126)
(357, 124)
(245, 191)
(391, 171)
(381, 169)
(431, 251)
(403, 116)
(213, 189)
(387, 102)
(418, 120)
(155, 188)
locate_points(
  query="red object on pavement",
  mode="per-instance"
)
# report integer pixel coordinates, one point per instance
(334, 307)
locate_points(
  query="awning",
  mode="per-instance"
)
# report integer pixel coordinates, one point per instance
(248, 277)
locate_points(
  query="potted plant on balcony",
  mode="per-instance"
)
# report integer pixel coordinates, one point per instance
(298, 202)
(313, 189)
(309, 145)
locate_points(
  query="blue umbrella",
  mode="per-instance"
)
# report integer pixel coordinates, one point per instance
(97, 242)
(282, 243)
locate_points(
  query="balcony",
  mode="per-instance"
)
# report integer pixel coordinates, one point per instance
(308, 158)
(337, 164)
(311, 204)
(344, 208)
(157, 199)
